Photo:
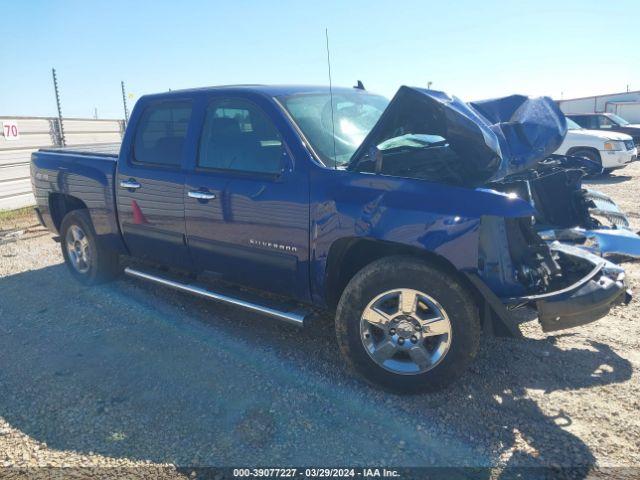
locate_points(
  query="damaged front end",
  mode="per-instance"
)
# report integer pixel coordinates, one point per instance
(553, 261)
(566, 285)
(606, 231)
(506, 145)
(568, 213)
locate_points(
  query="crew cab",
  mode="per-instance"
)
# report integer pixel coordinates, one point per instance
(609, 149)
(609, 122)
(412, 220)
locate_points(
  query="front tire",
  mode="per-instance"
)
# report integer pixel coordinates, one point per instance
(407, 326)
(591, 155)
(87, 260)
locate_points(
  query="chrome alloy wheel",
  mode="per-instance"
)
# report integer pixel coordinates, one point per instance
(405, 331)
(78, 249)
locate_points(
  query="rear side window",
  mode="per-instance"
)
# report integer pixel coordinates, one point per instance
(239, 136)
(161, 133)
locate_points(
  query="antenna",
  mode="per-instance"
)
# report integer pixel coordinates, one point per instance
(333, 125)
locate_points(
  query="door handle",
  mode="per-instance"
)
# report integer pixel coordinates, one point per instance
(200, 195)
(130, 184)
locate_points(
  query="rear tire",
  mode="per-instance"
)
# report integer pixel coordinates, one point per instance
(87, 260)
(407, 326)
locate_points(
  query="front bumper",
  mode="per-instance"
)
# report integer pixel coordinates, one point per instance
(586, 300)
(618, 158)
(584, 305)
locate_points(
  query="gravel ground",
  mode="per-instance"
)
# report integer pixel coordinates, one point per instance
(129, 374)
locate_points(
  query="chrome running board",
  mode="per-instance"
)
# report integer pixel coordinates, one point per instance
(295, 318)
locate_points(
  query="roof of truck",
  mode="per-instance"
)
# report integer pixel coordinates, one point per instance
(268, 90)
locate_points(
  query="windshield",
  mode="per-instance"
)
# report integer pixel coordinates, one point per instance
(354, 115)
(619, 120)
(571, 125)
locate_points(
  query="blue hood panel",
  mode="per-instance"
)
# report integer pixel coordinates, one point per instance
(490, 139)
(528, 129)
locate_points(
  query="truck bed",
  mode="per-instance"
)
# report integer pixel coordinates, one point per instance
(92, 150)
(83, 174)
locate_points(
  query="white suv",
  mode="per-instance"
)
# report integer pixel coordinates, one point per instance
(610, 149)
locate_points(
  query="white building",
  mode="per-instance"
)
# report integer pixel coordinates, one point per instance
(625, 104)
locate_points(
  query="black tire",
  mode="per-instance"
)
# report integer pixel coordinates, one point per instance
(409, 273)
(589, 154)
(101, 264)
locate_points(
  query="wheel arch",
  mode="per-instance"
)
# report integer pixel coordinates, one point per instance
(347, 256)
(573, 150)
(60, 204)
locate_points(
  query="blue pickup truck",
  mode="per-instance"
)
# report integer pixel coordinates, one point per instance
(414, 221)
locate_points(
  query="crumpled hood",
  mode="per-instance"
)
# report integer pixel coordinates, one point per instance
(491, 138)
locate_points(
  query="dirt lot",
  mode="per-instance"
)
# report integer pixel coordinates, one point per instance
(132, 374)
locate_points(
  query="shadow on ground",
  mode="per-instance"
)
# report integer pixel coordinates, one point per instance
(611, 179)
(130, 370)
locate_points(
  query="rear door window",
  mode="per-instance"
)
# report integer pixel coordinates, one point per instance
(161, 134)
(238, 136)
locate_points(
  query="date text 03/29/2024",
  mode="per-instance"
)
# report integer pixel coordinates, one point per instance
(315, 473)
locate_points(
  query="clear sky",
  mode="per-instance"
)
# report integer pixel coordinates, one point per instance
(471, 49)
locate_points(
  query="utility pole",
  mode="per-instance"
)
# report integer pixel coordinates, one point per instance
(124, 102)
(60, 127)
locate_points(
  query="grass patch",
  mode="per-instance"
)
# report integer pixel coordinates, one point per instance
(8, 215)
(20, 218)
